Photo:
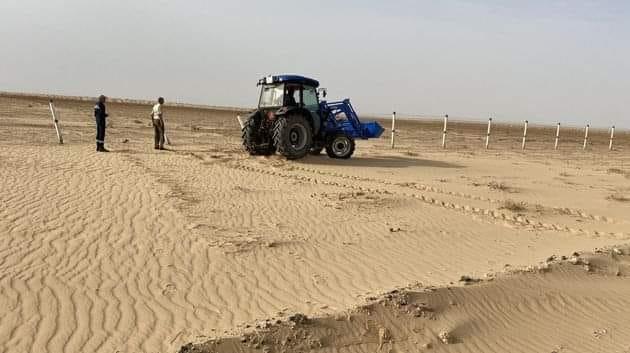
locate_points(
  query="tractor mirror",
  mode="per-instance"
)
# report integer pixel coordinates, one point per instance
(322, 92)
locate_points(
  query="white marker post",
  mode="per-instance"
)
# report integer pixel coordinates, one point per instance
(524, 135)
(488, 134)
(555, 147)
(585, 136)
(53, 111)
(393, 128)
(166, 140)
(444, 131)
(240, 122)
(612, 137)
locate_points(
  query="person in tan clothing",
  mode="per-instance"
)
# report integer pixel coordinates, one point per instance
(158, 124)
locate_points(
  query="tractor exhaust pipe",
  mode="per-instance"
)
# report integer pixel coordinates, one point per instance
(240, 121)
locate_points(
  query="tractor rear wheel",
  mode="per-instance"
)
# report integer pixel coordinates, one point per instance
(292, 136)
(251, 139)
(340, 147)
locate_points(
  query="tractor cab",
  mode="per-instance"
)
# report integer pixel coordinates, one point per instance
(287, 91)
(280, 94)
(292, 120)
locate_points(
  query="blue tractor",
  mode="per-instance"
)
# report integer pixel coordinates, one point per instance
(293, 121)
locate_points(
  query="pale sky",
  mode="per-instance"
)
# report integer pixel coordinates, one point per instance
(545, 61)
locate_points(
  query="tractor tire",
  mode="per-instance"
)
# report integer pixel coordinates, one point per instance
(340, 147)
(292, 136)
(250, 140)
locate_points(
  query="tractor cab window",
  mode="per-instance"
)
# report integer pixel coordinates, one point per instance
(271, 96)
(292, 95)
(309, 96)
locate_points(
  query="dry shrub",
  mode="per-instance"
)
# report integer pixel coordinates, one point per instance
(498, 186)
(514, 206)
(618, 198)
(615, 171)
(619, 171)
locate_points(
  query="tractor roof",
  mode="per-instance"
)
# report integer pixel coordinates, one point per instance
(289, 79)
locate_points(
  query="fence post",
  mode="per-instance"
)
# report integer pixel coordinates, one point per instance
(612, 137)
(393, 128)
(444, 131)
(488, 134)
(55, 121)
(240, 122)
(524, 135)
(167, 140)
(585, 136)
(555, 147)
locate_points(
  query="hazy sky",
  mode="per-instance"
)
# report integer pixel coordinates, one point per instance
(545, 61)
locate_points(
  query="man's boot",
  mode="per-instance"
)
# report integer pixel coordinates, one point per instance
(100, 147)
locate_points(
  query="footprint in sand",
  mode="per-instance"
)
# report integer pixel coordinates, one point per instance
(318, 279)
(169, 290)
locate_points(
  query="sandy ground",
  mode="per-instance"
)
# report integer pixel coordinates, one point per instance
(528, 311)
(146, 251)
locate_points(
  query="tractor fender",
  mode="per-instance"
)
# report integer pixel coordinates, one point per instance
(315, 123)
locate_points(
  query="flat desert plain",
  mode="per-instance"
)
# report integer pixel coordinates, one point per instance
(203, 248)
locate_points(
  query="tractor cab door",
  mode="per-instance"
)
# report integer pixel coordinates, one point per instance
(311, 103)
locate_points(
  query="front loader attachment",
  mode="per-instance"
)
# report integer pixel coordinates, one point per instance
(342, 118)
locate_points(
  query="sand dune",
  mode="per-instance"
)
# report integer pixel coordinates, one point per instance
(554, 307)
(138, 251)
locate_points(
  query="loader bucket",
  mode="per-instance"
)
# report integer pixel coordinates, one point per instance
(371, 130)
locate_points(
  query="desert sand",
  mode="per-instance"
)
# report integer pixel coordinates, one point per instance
(157, 251)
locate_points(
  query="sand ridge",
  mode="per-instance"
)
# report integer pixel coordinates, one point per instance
(566, 304)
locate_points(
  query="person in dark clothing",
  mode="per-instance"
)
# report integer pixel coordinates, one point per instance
(100, 114)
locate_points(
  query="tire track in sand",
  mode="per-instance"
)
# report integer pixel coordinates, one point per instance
(497, 216)
(431, 189)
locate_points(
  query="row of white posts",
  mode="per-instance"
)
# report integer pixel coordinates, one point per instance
(55, 115)
(555, 147)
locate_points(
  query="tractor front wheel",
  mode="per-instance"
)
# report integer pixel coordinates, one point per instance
(340, 147)
(292, 136)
